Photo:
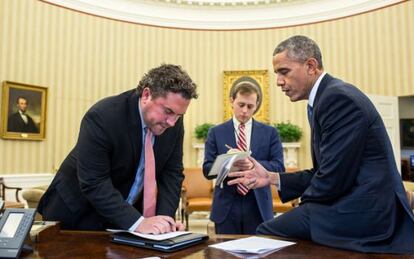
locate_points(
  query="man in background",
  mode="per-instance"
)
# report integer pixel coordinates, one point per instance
(235, 209)
(126, 169)
(20, 121)
(353, 197)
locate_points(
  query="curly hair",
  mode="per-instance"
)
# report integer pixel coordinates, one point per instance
(168, 78)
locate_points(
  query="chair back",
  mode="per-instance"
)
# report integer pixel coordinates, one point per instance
(195, 184)
(2, 189)
(10, 204)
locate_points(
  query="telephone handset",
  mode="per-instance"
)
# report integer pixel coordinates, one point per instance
(15, 224)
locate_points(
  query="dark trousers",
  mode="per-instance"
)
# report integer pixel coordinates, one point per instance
(243, 218)
(293, 224)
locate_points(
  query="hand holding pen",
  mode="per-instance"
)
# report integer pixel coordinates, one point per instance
(242, 164)
(231, 150)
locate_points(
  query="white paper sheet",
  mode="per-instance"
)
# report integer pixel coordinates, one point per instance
(252, 245)
(151, 236)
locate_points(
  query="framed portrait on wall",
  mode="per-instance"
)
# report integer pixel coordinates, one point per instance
(23, 111)
(407, 133)
(259, 78)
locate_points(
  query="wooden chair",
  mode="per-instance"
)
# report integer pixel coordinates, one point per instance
(196, 193)
(10, 204)
(278, 206)
(33, 196)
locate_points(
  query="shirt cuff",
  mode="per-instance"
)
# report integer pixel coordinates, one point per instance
(275, 180)
(278, 185)
(136, 224)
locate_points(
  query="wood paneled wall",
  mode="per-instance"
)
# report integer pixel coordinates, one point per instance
(83, 58)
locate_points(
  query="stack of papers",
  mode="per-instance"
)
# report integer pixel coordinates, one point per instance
(252, 246)
(158, 237)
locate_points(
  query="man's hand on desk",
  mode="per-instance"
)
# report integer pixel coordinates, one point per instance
(159, 225)
(256, 177)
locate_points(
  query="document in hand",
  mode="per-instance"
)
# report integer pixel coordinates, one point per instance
(224, 164)
(169, 242)
(252, 245)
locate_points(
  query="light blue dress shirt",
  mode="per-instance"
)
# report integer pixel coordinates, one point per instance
(138, 184)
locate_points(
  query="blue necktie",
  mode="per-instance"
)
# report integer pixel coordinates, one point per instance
(310, 111)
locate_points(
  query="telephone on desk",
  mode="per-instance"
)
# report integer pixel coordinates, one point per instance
(15, 225)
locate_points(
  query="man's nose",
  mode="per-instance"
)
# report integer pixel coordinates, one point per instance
(171, 120)
(280, 81)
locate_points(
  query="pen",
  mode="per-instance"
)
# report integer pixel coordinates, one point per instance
(227, 146)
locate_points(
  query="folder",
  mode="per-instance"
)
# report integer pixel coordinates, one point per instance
(166, 245)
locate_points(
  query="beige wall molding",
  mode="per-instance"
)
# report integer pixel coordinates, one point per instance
(224, 14)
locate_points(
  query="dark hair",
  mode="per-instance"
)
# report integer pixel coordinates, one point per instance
(21, 97)
(168, 78)
(300, 48)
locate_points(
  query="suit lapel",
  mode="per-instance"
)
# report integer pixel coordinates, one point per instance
(321, 89)
(255, 137)
(135, 129)
(229, 134)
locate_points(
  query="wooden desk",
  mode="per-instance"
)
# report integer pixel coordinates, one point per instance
(79, 244)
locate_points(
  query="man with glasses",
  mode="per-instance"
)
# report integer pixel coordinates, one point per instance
(126, 168)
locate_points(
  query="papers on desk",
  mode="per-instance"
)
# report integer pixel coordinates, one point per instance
(151, 236)
(224, 164)
(252, 246)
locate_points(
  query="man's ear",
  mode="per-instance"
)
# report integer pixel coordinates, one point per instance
(312, 65)
(146, 95)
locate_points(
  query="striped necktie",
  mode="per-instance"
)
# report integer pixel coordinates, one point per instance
(241, 145)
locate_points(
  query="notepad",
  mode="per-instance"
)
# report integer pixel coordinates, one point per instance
(225, 163)
(151, 236)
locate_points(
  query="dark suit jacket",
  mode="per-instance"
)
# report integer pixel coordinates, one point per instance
(266, 149)
(96, 177)
(15, 123)
(354, 192)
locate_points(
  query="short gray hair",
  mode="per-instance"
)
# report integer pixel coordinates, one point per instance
(300, 48)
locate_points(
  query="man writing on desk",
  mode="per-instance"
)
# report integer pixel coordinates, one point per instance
(353, 197)
(126, 168)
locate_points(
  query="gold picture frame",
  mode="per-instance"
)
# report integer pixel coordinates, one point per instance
(260, 78)
(23, 111)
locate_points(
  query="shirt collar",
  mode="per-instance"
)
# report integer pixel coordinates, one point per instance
(237, 123)
(143, 125)
(314, 90)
